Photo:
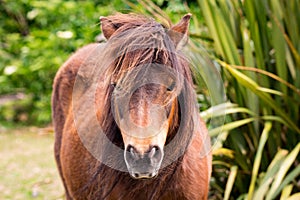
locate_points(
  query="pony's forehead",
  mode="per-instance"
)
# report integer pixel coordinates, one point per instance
(141, 37)
(133, 61)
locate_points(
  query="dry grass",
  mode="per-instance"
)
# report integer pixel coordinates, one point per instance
(27, 167)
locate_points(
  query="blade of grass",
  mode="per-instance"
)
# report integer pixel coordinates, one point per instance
(229, 126)
(273, 118)
(249, 83)
(279, 43)
(269, 175)
(257, 160)
(223, 109)
(249, 60)
(262, 190)
(223, 163)
(286, 192)
(269, 74)
(230, 182)
(255, 33)
(226, 38)
(135, 7)
(282, 172)
(287, 39)
(220, 140)
(290, 63)
(156, 11)
(294, 197)
(291, 20)
(223, 151)
(290, 177)
(211, 24)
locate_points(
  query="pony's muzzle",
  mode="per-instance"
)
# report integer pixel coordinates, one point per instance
(143, 165)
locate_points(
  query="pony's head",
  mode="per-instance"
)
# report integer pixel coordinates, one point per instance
(147, 77)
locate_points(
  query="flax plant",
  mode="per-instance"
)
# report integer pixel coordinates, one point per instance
(255, 45)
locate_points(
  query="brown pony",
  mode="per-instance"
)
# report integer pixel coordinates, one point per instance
(125, 116)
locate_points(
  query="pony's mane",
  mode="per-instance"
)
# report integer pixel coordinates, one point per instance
(137, 41)
(137, 44)
(140, 41)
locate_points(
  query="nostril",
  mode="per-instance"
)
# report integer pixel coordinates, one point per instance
(132, 151)
(130, 148)
(136, 175)
(155, 152)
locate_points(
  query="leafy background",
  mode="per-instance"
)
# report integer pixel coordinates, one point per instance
(253, 44)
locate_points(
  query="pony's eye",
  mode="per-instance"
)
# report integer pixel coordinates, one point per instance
(171, 87)
(113, 85)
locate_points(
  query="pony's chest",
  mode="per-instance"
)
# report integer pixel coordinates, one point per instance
(148, 193)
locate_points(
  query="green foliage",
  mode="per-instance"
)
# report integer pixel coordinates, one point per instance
(256, 45)
(253, 43)
(36, 38)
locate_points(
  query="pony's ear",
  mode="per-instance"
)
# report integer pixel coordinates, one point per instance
(108, 28)
(178, 32)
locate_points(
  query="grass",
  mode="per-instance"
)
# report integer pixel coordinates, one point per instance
(27, 167)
